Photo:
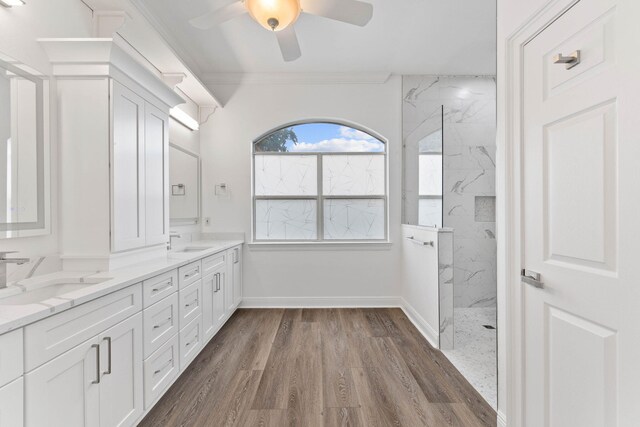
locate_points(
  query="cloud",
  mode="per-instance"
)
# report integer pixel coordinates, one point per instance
(351, 133)
(341, 145)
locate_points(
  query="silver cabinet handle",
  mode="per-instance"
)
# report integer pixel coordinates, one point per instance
(196, 271)
(532, 278)
(571, 61)
(157, 371)
(195, 301)
(108, 371)
(97, 347)
(160, 325)
(167, 285)
(191, 342)
(236, 255)
(420, 242)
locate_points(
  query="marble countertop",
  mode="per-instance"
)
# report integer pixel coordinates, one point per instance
(17, 316)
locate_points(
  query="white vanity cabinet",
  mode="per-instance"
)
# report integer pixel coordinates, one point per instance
(96, 383)
(213, 305)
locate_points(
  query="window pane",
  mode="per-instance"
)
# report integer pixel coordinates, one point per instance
(430, 212)
(286, 175)
(430, 175)
(354, 219)
(360, 175)
(286, 220)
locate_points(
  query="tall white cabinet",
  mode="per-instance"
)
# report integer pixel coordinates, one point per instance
(113, 124)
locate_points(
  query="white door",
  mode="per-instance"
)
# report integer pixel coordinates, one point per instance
(121, 400)
(237, 275)
(156, 175)
(127, 170)
(581, 207)
(65, 392)
(12, 404)
(213, 304)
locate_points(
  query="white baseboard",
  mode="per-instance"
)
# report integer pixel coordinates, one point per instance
(418, 321)
(318, 302)
(502, 419)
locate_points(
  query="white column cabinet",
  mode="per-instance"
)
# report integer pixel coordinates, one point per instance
(113, 121)
(156, 140)
(127, 169)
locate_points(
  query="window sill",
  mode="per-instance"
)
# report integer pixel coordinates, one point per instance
(319, 246)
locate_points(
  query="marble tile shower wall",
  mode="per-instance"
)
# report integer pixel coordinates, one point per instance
(469, 172)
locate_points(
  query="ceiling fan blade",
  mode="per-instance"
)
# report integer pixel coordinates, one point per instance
(289, 46)
(350, 11)
(218, 16)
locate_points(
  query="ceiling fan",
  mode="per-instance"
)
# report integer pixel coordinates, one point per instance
(279, 16)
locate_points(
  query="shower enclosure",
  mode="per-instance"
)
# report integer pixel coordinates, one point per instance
(449, 184)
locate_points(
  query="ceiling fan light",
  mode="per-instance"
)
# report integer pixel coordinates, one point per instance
(274, 15)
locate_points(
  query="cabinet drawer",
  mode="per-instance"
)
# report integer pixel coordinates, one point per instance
(190, 342)
(190, 303)
(12, 404)
(212, 262)
(156, 288)
(189, 274)
(51, 337)
(161, 321)
(160, 369)
(11, 365)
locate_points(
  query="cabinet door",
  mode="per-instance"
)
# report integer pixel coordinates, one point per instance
(65, 392)
(213, 303)
(237, 275)
(121, 400)
(156, 149)
(127, 170)
(12, 404)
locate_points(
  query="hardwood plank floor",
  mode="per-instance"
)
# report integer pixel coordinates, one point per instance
(321, 367)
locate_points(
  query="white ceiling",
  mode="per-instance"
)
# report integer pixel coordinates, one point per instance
(404, 37)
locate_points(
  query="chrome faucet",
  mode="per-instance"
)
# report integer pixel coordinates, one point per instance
(3, 266)
(171, 236)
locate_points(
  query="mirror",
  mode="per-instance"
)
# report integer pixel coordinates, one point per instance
(24, 157)
(184, 177)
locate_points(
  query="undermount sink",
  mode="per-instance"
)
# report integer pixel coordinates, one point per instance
(38, 292)
(190, 249)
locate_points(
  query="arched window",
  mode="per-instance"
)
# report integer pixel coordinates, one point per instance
(318, 182)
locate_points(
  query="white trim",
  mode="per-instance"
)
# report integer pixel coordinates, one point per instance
(509, 141)
(421, 325)
(215, 79)
(502, 419)
(319, 302)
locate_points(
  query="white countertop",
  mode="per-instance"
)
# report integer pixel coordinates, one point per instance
(16, 316)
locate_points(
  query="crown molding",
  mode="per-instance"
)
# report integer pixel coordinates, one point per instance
(215, 79)
(102, 57)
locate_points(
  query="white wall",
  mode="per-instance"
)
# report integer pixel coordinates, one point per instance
(277, 272)
(512, 14)
(19, 29)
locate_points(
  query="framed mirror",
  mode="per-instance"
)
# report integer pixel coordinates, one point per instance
(24, 150)
(184, 179)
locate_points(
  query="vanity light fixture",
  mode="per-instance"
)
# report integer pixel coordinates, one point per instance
(183, 118)
(11, 3)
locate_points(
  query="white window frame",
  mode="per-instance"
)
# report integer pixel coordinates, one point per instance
(319, 197)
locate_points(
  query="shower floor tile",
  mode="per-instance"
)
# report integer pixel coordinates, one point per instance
(474, 351)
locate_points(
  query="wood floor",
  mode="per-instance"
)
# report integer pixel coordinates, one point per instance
(320, 367)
